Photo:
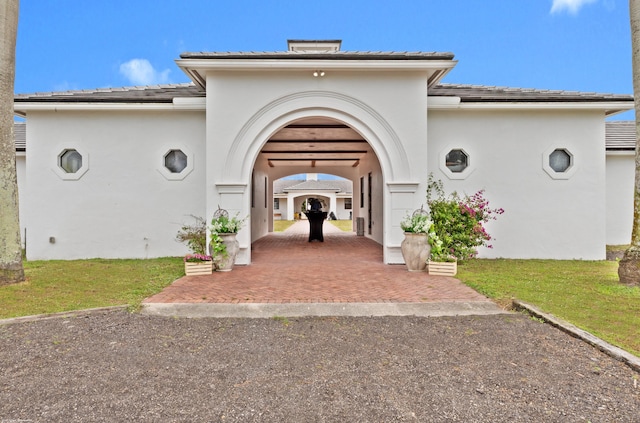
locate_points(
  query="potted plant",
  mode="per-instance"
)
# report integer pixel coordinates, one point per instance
(458, 226)
(195, 236)
(224, 246)
(415, 246)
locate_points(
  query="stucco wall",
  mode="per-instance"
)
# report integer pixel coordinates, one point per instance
(544, 217)
(620, 180)
(21, 166)
(245, 108)
(122, 206)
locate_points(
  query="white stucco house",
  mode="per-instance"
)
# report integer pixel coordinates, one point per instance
(115, 172)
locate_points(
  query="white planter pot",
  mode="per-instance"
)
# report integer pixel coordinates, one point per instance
(415, 251)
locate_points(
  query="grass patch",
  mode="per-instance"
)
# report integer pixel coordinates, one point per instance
(56, 285)
(585, 293)
(343, 225)
(282, 225)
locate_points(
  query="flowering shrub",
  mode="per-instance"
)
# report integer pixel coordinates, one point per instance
(458, 223)
(416, 223)
(195, 258)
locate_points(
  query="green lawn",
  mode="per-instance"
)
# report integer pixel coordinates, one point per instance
(344, 225)
(281, 225)
(54, 286)
(585, 293)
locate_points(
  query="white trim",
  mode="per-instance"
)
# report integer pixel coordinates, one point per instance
(621, 153)
(442, 103)
(190, 103)
(406, 187)
(613, 106)
(279, 64)
(358, 115)
(20, 108)
(231, 188)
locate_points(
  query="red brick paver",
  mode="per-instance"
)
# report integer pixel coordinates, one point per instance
(286, 268)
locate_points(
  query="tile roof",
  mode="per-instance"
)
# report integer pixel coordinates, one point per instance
(483, 93)
(20, 135)
(467, 93)
(323, 55)
(621, 135)
(140, 94)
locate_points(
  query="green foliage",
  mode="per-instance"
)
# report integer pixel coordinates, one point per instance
(195, 236)
(224, 224)
(584, 293)
(417, 223)
(282, 225)
(343, 225)
(458, 222)
(66, 285)
(218, 249)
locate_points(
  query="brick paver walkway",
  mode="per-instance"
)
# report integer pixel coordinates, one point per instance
(286, 268)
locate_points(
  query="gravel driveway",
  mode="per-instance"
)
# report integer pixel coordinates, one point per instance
(115, 367)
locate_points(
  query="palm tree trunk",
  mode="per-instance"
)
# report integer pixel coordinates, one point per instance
(629, 268)
(11, 269)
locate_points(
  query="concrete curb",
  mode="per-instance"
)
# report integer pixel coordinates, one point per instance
(61, 315)
(611, 350)
(269, 310)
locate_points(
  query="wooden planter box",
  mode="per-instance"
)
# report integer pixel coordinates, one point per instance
(442, 268)
(198, 268)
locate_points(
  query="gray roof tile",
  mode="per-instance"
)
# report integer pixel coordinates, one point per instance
(20, 135)
(621, 135)
(483, 93)
(141, 94)
(467, 93)
(323, 55)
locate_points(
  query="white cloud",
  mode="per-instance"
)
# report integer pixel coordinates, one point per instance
(571, 6)
(64, 86)
(141, 72)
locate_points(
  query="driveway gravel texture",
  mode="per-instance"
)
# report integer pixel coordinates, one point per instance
(115, 366)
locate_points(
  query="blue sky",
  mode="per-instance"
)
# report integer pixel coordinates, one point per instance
(581, 45)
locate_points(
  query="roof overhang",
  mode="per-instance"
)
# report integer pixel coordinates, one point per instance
(610, 108)
(198, 67)
(178, 104)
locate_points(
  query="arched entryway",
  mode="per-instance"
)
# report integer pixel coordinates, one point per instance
(356, 143)
(322, 146)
